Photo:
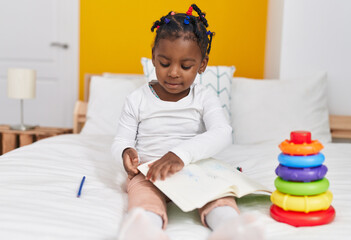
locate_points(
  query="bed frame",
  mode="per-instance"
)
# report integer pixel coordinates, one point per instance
(340, 126)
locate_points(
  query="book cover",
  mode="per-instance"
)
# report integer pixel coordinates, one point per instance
(204, 181)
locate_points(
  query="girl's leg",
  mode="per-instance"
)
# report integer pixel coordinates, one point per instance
(222, 217)
(225, 201)
(155, 219)
(219, 215)
(143, 194)
(146, 211)
(137, 225)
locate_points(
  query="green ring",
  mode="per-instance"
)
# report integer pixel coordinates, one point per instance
(302, 188)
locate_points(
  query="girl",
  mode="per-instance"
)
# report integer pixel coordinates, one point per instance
(175, 121)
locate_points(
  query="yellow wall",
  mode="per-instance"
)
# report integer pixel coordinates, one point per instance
(115, 34)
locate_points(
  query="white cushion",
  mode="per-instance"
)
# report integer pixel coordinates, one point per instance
(124, 76)
(106, 100)
(218, 78)
(268, 110)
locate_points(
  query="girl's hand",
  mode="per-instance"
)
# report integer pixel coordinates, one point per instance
(165, 166)
(130, 162)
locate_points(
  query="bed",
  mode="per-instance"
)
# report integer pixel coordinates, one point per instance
(39, 182)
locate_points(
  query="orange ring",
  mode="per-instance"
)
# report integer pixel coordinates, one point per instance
(303, 149)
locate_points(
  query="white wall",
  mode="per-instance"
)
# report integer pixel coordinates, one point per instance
(27, 31)
(315, 35)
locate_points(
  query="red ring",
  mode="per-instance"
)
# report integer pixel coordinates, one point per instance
(301, 219)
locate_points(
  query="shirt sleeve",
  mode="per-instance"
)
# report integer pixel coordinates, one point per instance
(127, 129)
(217, 136)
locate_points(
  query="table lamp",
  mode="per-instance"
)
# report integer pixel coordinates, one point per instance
(21, 84)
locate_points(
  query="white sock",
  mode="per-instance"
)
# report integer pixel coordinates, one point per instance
(155, 219)
(138, 225)
(219, 215)
(246, 226)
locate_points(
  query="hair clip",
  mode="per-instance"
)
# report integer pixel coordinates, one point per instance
(167, 20)
(186, 20)
(190, 11)
(172, 13)
(209, 33)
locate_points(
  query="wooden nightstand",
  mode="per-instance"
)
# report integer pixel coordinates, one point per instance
(11, 139)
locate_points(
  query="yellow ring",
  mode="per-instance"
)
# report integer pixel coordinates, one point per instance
(291, 148)
(305, 204)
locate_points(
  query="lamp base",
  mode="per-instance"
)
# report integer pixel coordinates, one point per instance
(22, 127)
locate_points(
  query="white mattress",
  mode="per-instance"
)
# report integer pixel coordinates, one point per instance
(39, 184)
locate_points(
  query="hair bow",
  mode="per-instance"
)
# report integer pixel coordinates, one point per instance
(186, 20)
(190, 11)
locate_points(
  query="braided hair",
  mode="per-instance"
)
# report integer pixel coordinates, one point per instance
(175, 25)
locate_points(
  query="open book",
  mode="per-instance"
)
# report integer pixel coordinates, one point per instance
(204, 181)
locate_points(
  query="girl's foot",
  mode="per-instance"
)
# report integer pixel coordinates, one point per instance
(137, 225)
(243, 227)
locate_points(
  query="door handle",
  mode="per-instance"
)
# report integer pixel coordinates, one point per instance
(61, 45)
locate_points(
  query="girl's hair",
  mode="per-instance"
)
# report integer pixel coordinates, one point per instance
(175, 25)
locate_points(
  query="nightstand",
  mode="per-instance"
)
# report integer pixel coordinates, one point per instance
(11, 139)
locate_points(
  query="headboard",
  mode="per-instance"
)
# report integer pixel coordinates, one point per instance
(340, 126)
(81, 107)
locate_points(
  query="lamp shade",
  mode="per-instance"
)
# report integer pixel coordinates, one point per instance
(21, 83)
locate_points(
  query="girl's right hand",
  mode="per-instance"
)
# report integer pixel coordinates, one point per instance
(130, 162)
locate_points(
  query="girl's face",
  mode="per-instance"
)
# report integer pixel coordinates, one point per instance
(176, 62)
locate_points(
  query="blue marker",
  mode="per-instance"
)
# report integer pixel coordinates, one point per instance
(80, 187)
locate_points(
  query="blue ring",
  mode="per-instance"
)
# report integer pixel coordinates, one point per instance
(301, 161)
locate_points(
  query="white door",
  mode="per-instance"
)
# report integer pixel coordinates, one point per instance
(42, 35)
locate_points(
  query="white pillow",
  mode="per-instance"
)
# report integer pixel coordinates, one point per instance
(124, 76)
(268, 110)
(106, 101)
(218, 78)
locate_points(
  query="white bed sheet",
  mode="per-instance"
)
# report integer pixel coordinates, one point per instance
(39, 183)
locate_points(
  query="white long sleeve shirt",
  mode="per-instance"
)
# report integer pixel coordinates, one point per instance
(193, 128)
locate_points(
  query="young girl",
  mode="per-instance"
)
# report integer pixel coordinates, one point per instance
(176, 122)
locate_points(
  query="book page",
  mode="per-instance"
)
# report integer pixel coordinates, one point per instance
(204, 181)
(241, 184)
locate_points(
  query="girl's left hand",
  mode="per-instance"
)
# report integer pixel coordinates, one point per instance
(165, 166)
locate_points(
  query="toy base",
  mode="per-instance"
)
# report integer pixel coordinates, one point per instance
(301, 219)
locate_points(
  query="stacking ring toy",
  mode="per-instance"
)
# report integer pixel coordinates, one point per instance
(301, 161)
(301, 188)
(299, 137)
(304, 149)
(301, 174)
(302, 203)
(300, 219)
